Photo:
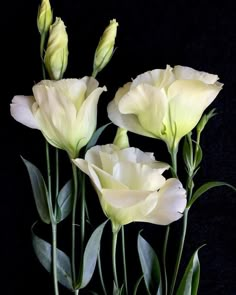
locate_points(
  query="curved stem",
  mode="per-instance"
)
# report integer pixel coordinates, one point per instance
(124, 258)
(114, 243)
(74, 170)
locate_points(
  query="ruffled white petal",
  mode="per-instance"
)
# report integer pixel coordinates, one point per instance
(21, 110)
(129, 122)
(187, 73)
(87, 118)
(187, 101)
(171, 203)
(123, 207)
(138, 176)
(157, 78)
(148, 104)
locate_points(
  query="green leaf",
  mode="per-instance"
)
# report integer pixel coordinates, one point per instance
(90, 255)
(205, 187)
(39, 191)
(150, 267)
(190, 281)
(64, 201)
(137, 285)
(96, 136)
(43, 251)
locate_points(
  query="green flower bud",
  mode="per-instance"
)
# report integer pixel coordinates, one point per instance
(56, 55)
(105, 47)
(44, 19)
(204, 120)
(121, 139)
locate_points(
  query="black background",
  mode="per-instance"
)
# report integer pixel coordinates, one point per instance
(151, 34)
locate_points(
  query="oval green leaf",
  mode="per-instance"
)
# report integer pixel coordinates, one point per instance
(43, 251)
(90, 255)
(39, 191)
(64, 201)
(150, 266)
(205, 187)
(190, 281)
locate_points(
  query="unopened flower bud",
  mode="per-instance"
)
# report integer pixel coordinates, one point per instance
(44, 19)
(105, 47)
(121, 139)
(56, 55)
(204, 120)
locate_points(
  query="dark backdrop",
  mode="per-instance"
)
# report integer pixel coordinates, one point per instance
(151, 34)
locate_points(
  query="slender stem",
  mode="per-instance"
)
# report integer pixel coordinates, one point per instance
(173, 154)
(164, 258)
(57, 172)
(42, 44)
(94, 74)
(100, 274)
(124, 258)
(82, 223)
(54, 257)
(183, 236)
(114, 243)
(48, 170)
(180, 251)
(74, 170)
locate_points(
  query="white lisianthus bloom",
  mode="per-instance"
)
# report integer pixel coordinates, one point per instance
(164, 104)
(65, 111)
(131, 187)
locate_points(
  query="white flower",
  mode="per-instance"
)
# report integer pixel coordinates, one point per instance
(165, 104)
(131, 187)
(65, 111)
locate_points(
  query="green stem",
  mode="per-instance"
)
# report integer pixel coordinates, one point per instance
(114, 244)
(82, 223)
(180, 251)
(94, 74)
(48, 170)
(124, 258)
(100, 274)
(42, 44)
(164, 258)
(57, 172)
(183, 236)
(74, 170)
(173, 154)
(54, 257)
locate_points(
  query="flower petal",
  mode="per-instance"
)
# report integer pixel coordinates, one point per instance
(157, 78)
(106, 180)
(187, 101)
(91, 84)
(149, 104)
(171, 203)
(123, 207)
(87, 118)
(138, 176)
(21, 110)
(187, 73)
